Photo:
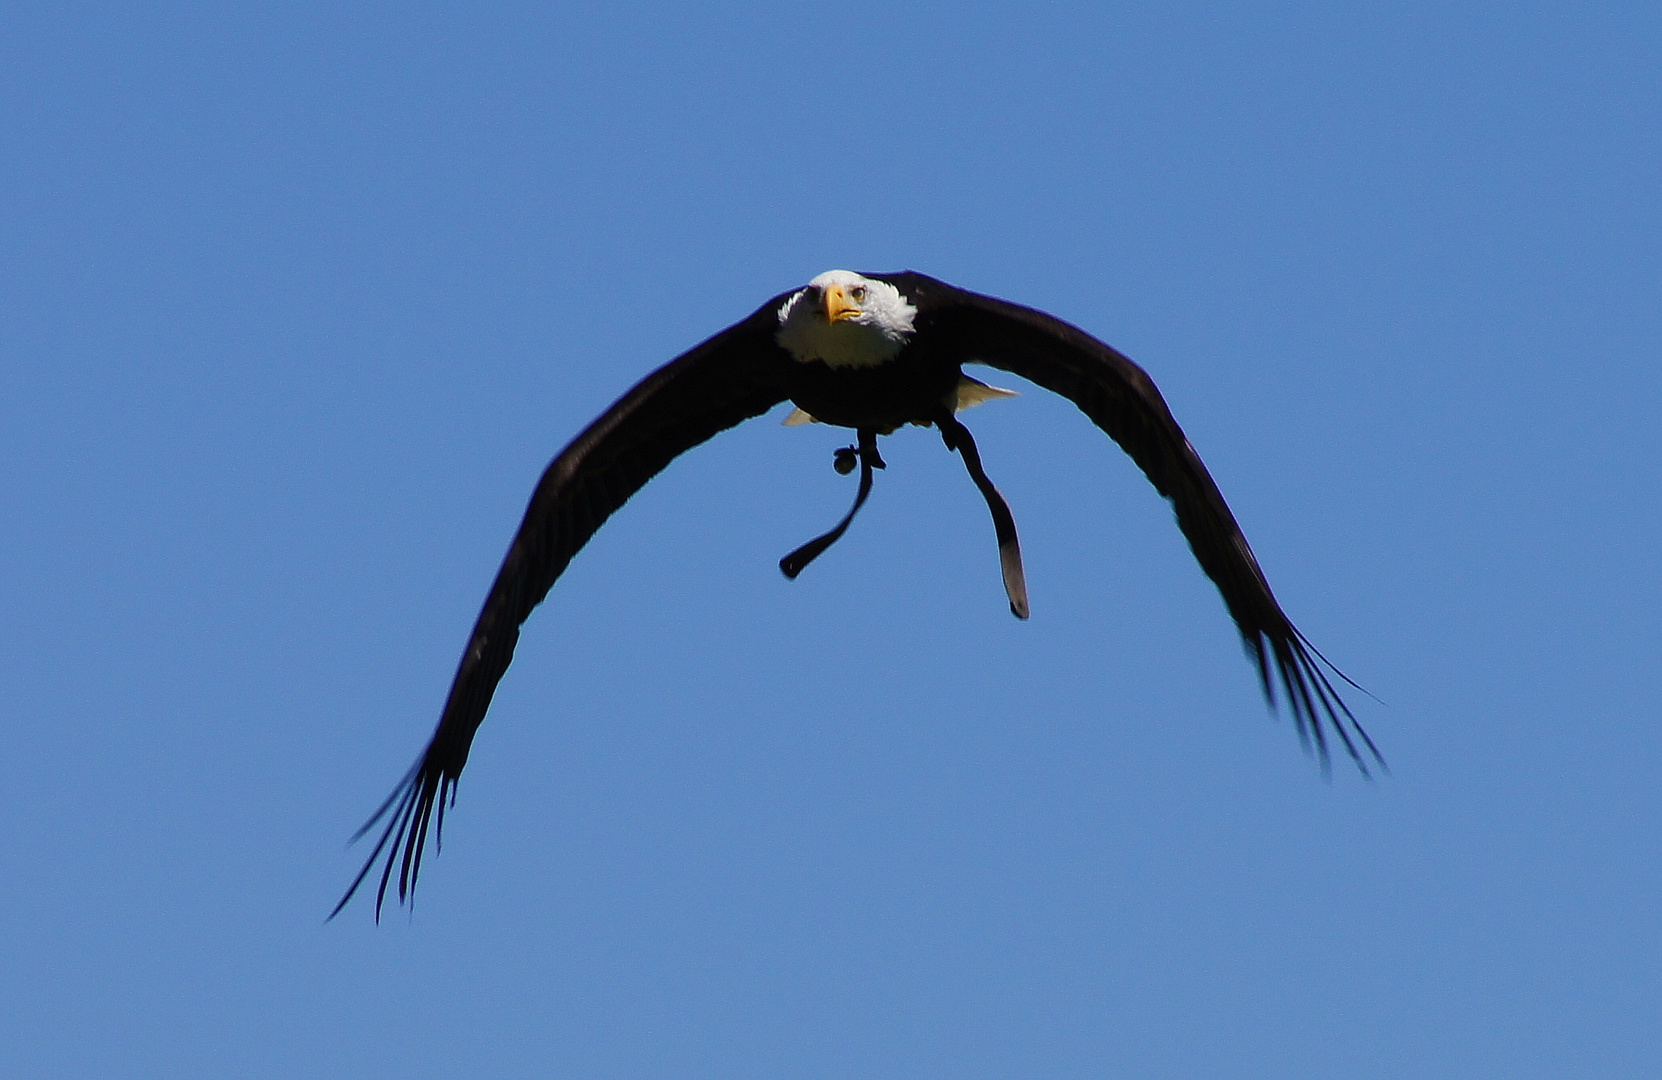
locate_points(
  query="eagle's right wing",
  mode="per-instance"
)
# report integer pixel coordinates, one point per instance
(727, 379)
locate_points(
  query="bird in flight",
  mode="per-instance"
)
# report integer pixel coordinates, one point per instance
(871, 352)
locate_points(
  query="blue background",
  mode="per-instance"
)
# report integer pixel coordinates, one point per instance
(296, 300)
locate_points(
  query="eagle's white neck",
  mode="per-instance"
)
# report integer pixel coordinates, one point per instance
(873, 337)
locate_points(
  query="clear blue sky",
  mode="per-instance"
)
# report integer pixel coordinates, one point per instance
(296, 301)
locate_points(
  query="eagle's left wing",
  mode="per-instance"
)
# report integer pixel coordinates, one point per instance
(1123, 401)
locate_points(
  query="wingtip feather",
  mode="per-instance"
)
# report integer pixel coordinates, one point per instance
(407, 812)
(1316, 706)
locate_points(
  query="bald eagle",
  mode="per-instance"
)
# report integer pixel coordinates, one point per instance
(871, 352)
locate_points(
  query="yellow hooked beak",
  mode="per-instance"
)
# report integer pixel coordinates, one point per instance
(838, 307)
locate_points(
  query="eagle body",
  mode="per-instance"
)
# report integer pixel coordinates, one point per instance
(909, 389)
(870, 352)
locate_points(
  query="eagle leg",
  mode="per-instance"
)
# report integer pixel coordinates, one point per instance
(957, 438)
(794, 563)
(844, 458)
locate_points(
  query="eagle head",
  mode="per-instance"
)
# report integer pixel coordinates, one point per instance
(846, 320)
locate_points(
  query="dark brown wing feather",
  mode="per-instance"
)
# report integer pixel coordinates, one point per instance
(1123, 401)
(728, 379)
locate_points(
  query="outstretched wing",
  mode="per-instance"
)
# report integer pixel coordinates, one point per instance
(727, 379)
(1123, 401)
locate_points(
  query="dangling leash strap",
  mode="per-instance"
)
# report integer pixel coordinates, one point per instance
(794, 563)
(957, 437)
